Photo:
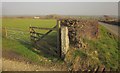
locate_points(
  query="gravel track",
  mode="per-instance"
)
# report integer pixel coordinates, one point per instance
(10, 65)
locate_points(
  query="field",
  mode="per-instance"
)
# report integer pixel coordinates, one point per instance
(17, 44)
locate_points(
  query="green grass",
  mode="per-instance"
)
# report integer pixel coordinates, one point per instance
(16, 47)
(19, 41)
(25, 23)
(108, 45)
(107, 48)
(79, 53)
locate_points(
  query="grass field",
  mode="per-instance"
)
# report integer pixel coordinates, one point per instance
(18, 42)
(25, 23)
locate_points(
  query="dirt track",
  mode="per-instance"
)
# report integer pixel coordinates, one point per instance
(10, 65)
(113, 28)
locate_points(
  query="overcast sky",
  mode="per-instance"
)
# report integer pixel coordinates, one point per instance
(63, 8)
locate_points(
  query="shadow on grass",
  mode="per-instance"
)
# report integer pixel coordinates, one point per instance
(47, 47)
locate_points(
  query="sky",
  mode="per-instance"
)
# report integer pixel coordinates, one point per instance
(60, 0)
(62, 8)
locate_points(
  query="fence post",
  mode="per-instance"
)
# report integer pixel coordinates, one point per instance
(5, 29)
(64, 41)
(31, 33)
(58, 38)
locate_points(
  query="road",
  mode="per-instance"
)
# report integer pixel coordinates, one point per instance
(112, 28)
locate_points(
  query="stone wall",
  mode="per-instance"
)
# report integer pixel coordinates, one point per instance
(78, 28)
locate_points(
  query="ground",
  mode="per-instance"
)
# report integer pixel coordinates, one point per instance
(14, 65)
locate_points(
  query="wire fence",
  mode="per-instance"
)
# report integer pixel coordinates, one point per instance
(16, 34)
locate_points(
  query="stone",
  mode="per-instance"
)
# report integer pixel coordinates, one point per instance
(64, 40)
(79, 28)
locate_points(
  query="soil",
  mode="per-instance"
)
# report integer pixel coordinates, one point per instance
(12, 61)
(14, 65)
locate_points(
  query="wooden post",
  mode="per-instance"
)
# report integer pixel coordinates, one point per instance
(31, 33)
(35, 37)
(5, 32)
(58, 38)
